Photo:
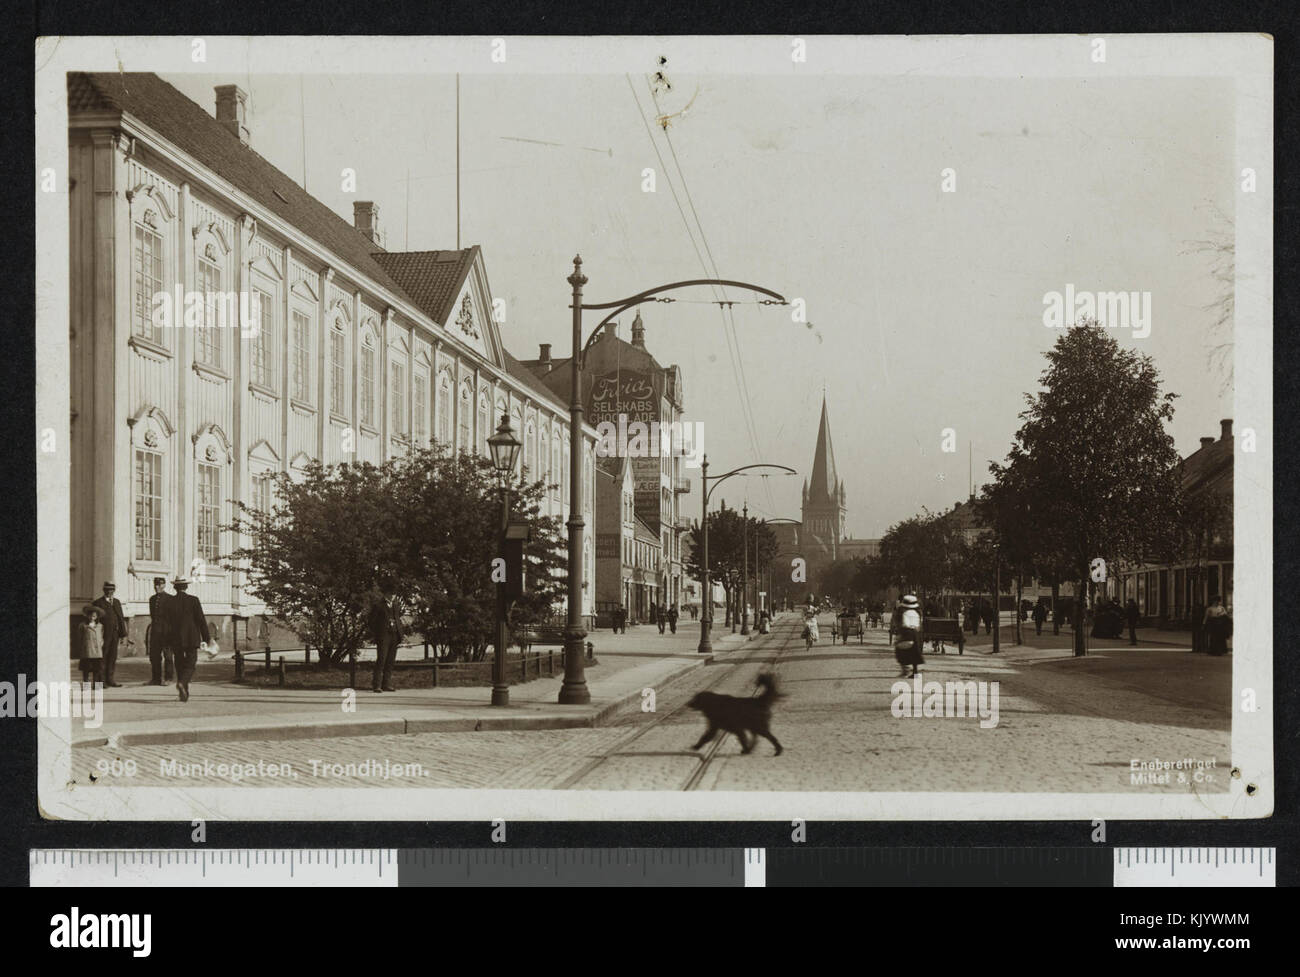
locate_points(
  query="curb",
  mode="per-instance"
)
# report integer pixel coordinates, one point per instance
(384, 726)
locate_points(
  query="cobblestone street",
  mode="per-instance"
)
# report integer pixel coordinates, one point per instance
(1062, 725)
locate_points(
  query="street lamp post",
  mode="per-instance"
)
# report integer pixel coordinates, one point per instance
(997, 596)
(574, 688)
(706, 647)
(504, 448)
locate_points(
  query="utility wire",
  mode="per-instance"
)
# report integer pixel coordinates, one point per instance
(729, 323)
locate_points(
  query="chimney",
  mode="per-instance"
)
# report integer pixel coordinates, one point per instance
(232, 110)
(638, 331)
(545, 358)
(365, 217)
(1206, 442)
(1225, 429)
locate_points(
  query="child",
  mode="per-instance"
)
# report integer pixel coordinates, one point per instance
(92, 644)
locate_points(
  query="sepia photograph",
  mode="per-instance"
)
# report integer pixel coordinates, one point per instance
(633, 428)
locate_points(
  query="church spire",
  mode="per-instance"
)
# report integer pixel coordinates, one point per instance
(825, 483)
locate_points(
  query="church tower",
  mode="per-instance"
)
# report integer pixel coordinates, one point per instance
(825, 500)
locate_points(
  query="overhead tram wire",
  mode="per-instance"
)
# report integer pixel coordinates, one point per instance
(721, 299)
(729, 322)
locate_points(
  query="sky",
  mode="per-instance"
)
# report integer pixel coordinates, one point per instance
(924, 307)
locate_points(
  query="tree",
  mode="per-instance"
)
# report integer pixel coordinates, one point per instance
(1093, 453)
(430, 521)
(313, 557)
(450, 512)
(920, 553)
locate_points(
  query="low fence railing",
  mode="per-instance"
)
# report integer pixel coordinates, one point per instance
(522, 666)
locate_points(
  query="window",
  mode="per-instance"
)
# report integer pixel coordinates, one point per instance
(338, 368)
(395, 395)
(208, 338)
(148, 505)
(555, 466)
(564, 474)
(263, 342)
(544, 458)
(209, 512)
(301, 378)
(368, 381)
(516, 421)
(147, 267)
(262, 491)
(421, 408)
(465, 422)
(444, 407)
(530, 450)
(485, 425)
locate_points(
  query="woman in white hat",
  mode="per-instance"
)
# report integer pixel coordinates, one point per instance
(907, 649)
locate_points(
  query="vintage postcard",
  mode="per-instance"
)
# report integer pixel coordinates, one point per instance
(654, 428)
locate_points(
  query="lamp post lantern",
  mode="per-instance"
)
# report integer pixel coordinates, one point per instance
(504, 448)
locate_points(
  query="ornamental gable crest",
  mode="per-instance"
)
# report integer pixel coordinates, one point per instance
(465, 319)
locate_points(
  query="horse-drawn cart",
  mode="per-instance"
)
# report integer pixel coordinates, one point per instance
(850, 624)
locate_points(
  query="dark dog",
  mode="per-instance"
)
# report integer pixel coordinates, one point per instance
(732, 714)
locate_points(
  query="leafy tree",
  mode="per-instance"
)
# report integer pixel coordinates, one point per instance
(430, 521)
(450, 505)
(313, 558)
(919, 554)
(1093, 451)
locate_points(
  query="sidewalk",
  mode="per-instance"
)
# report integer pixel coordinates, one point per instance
(1048, 646)
(221, 710)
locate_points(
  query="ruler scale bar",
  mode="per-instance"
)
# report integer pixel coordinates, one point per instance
(713, 867)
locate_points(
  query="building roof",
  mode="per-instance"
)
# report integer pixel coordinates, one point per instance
(644, 532)
(432, 279)
(1207, 461)
(528, 379)
(190, 128)
(825, 482)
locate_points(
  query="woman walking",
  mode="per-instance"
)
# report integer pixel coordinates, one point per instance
(1218, 626)
(810, 633)
(907, 649)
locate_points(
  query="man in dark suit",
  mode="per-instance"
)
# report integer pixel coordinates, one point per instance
(114, 631)
(189, 629)
(386, 629)
(160, 638)
(1131, 612)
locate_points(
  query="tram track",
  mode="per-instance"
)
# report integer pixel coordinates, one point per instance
(786, 633)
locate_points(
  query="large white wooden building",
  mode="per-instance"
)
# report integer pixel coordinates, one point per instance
(358, 353)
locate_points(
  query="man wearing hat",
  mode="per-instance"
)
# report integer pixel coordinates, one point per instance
(114, 630)
(189, 629)
(160, 639)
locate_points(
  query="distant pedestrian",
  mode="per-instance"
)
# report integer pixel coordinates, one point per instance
(1040, 615)
(907, 646)
(92, 644)
(386, 630)
(189, 629)
(160, 638)
(1217, 626)
(1131, 613)
(987, 615)
(672, 618)
(661, 617)
(114, 631)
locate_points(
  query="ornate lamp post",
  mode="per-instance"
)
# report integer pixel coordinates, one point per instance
(744, 573)
(504, 448)
(574, 690)
(706, 622)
